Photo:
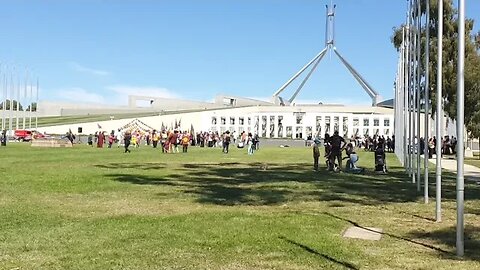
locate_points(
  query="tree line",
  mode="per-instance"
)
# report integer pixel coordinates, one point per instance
(14, 105)
(450, 57)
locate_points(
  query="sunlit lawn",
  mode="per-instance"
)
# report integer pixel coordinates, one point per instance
(89, 208)
(473, 161)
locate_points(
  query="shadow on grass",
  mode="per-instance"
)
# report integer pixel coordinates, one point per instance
(324, 256)
(390, 235)
(268, 184)
(447, 236)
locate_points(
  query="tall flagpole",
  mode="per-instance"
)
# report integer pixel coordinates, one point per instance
(460, 126)
(2, 100)
(17, 89)
(427, 99)
(439, 117)
(31, 106)
(36, 104)
(419, 77)
(10, 111)
(412, 91)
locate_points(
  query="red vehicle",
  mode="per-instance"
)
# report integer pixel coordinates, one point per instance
(23, 135)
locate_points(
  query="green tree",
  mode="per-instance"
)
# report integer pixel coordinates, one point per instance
(450, 53)
(34, 107)
(14, 105)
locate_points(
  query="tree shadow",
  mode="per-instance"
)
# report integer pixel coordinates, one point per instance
(140, 166)
(324, 256)
(257, 183)
(444, 252)
(447, 236)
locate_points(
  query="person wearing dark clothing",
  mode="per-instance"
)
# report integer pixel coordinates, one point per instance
(316, 154)
(3, 138)
(226, 141)
(337, 144)
(90, 140)
(127, 137)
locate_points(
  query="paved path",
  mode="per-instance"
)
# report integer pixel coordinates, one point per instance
(470, 172)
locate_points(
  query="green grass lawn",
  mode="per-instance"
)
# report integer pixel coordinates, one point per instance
(74, 119)
(473, 161)
(89, 208)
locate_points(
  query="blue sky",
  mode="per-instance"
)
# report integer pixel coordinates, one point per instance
(101, 51)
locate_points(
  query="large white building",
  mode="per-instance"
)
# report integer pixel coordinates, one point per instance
(265, 119)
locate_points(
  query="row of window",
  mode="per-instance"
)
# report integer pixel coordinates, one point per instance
(299, 120)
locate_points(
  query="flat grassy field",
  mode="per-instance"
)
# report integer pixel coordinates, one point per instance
(473, 161)
(89, 208)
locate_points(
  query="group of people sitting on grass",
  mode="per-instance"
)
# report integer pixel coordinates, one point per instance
(335, 145)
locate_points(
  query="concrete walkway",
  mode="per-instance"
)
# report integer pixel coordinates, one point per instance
(470, 172)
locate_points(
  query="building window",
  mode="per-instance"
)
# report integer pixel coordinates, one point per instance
(376, 122)
(232, 120)
(386, 122)
(345, 126)
(299, 118)
(289, 131)
(366, 122)
(223, 121)
(298, 133)
(241, 121)
(356, 122)
(327, 124)
(214, 120)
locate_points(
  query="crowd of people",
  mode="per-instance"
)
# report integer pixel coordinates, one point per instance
(335, 145)
(170, 141)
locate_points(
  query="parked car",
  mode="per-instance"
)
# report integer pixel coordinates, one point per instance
(23, 135)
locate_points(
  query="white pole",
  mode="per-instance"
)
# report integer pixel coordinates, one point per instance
(439, 117)
(413, 88)
(460, 126)
(26, 98)
(3, 97)
(418, 93)
(18, 101)
(31, 105)
(10, 111)
(427, 100)
(36, 105)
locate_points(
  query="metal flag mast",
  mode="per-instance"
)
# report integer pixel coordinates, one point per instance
(329, 47)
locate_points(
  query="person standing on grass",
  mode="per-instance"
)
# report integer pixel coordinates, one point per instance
(250, 144)
(111, 139)
(155, 138)
(127, 138)
(185, 142)
(101, 139)
(337, 144)
(226, 141)
(3, 138)
(316, 154)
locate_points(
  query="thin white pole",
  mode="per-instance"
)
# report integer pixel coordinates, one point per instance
(18, 101)
(418, 86)
(36, 104)
(427, 100)
(460, 126)
(439, 117)
(411, 91)
(30, 110)
(10, 111)
(414, 84)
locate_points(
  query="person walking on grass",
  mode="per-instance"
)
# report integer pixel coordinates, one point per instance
(250, 144)
(185, 142)
(316, 154)
(337, 144)
(226, 141)
(127, 138)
